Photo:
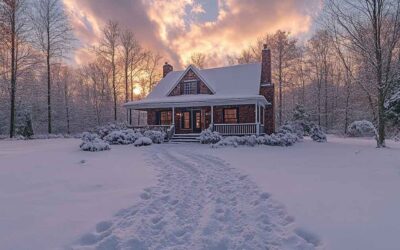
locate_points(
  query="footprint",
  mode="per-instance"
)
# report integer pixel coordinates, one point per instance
(103, 226)
(145, 196)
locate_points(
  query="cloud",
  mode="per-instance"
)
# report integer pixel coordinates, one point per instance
(179, 28)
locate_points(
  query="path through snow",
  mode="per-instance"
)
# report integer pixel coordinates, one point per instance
(200, 202)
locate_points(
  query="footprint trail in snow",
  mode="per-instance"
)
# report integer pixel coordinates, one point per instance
(200, 202)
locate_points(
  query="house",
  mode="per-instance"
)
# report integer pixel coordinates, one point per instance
(233, 100)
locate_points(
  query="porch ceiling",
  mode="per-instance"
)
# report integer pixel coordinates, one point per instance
(196, 101)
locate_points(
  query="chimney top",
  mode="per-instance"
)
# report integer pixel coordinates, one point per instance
(166, 63)
(265, 46)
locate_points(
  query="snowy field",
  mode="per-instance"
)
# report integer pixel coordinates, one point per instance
(343, 194)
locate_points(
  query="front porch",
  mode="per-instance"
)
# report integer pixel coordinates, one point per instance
(227, 120)
(193, 114)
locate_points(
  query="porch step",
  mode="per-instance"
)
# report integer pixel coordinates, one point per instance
(185, 138)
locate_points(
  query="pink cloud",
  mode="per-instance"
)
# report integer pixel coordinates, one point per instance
(172, 27)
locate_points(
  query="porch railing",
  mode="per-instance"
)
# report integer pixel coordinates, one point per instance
(163, 128)
(237, 129)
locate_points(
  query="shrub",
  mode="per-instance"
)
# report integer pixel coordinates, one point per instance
(92, 142)
(292, 128)
(105, 130)
(362, 128)
(317, 134)
(209, 137)
(127, 136)
(155, 136)
(143, 141)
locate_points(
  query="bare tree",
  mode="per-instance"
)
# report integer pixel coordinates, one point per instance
(370, 28)
(284, 52)
(198, 60)
(108, 50)
(53, 38)
(152, 70)
(13, 24)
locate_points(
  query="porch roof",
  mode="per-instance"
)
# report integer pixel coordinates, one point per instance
(197, 101)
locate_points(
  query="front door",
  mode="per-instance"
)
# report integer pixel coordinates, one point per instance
(196, 118)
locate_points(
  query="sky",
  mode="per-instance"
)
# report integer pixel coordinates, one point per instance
(179, 28)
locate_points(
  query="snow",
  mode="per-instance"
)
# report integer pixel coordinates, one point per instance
(226, 81)
(342, 194)
(346, 190)
(51, 191)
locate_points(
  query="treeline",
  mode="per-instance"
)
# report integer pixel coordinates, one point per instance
(348, 70)
(37, 86)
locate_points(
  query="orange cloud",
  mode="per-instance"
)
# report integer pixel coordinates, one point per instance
(175, 29)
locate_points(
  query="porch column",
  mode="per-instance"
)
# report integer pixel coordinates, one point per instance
(257, 120)
(173, 115)
(212, 116)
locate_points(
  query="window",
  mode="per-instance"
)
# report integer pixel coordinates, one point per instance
(190, 88)
(186, 120)
(231, 115)
(166, 118)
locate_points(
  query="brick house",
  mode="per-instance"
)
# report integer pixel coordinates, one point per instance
(233, 100)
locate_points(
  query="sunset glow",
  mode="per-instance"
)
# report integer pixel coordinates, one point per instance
(179, 28)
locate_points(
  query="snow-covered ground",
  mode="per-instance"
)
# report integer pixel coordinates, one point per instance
(343, 194)
(51, 192)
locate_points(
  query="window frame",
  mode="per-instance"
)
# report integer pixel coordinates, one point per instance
(237, 115)
(183, 120)
(190, 87)
(167, 119)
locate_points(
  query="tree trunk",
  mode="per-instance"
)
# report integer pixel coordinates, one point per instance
(48, 81)
(67, 107)
(114, 86)
(13, 77)
(381, 120)
(280, 90)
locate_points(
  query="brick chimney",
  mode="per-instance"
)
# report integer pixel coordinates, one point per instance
(167, 68)
(267, 89)
(266, 66)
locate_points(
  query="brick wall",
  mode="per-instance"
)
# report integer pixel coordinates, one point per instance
(246, 113)
(190, 75)
(268, 91)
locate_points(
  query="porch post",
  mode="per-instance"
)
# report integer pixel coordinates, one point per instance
(173, 115)
(257, 119)
(212, 116)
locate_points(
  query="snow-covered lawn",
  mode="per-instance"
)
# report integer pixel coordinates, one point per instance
(346, 191)
(51, 192)
(343, 194)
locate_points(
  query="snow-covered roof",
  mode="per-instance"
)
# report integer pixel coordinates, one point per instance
(235, 83)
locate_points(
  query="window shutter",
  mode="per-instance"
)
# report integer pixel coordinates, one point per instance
(198, 87)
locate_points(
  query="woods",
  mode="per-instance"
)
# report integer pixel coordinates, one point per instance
(38, 79)
(347, 70)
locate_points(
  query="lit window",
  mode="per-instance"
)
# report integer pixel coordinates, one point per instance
(230, 115)
(190, 88)
(186, 120)
(165, 118)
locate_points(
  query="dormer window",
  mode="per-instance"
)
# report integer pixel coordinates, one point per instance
(190, 87)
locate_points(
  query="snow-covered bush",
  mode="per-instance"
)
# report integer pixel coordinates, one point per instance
(92, 142)
(208, 136)
(302, 118)
(237, 140)
(317, 134)
(143, 141)
(292, 128)
(103, 131)
(362, 128)
(155, 136)
(127, 136)
(23, 124)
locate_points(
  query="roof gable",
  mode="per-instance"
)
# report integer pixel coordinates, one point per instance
(197, 73)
